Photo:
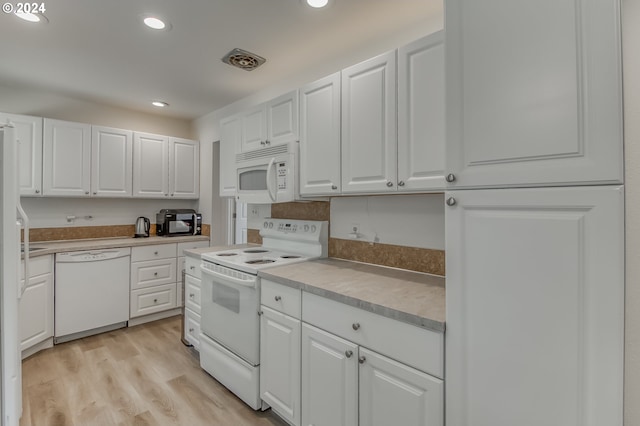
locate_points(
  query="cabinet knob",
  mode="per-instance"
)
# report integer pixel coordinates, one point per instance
(95, 193)
(267, 142)
(278, 298)
(37, 191)
(355, 326)
(389, 184)
(86, 193)
(172, 195)
(192, 267)
(155, 252)
(155, 300)
(263, 143)
(259, 312)
(166, 195)
(334, 187)
(451, 201)
(155, 274)
(191, 295)
(401, 183)
(348, 354)
(362, 359)
(191, 330)
(451, 177)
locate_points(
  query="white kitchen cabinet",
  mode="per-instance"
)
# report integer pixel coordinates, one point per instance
(421, 114)
(154, 285)
(369, 138)
(320, 137)
(230, 145)
(150, 165)
(66, 159)
(535, 306)
(280, 363)
(253, 134)
(282, 119)
(36, 305)
(111, 162)
(329, 379)
(29, 133)
(184, 168)
(534, 93)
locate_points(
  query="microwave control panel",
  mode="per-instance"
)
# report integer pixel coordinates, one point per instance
(281, 175)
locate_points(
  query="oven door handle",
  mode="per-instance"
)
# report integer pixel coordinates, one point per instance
(270, 167)
(247, 283)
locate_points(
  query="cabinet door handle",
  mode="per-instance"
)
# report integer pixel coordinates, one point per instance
(362, 359)
(155, 300)
(155, 252)
(191, 295)
(389, 184)
(191, 330)
(37, 191)
(334, 187)
(348, 354)
(259, 312)
(401, 183)
(355, 326)
(451, 201)
(86, 193)
(278, 298)
(155, 274)
(192, 267)
(451, 177)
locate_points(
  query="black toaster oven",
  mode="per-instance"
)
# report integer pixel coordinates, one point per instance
(172, 222)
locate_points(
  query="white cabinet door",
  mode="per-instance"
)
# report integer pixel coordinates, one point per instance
(66, 158)
(36, 311)
(329, 379)
(394, 394)
(280, 364)
(254, 128)
(320, 137)
(533, 92)
(184, 168)
(150, 165)
(29, 133)
(535, 307)
(112, 162)
(230, 145)
(369, 139)
(421, 114)
(282, 119)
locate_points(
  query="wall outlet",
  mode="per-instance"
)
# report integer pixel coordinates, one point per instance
(355, 231)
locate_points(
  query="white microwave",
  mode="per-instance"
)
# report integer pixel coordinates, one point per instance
(268, 175)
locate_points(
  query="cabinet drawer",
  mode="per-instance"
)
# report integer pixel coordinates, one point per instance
(40, 265)
(192, 293)
(192, 266)
(155, 299)
(417, 347)
(191, 245)
(153, 272)
(281, 298)
(192, 328)
(157, 251)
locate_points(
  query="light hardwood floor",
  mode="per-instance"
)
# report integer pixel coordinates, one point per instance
(141, 375)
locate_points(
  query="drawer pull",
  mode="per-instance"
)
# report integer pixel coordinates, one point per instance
(278, 298)
(155, 300)
(155, 274)
(356, 326)
(348, 354)
(155, 252)
(259, 313)
(191, 295)
(192, 267)
(362, 359)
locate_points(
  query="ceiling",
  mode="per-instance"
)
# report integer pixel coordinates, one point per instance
(99, 50)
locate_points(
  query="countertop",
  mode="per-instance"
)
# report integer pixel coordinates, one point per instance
(51, 247)
(200, 251)
(412, 297)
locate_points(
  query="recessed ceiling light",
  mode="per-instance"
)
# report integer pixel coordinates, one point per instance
(32, 17)
(159, 104)
(317, 3)
(155, 23)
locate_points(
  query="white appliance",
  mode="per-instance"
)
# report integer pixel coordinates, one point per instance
(92, 292)
(230, 323)
(10, 275)
(268, 175)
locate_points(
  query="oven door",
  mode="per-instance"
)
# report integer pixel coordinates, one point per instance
(230, 305)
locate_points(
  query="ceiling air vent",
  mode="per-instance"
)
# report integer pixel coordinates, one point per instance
(244, 60)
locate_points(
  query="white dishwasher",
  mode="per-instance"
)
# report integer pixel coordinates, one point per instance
(91, 292)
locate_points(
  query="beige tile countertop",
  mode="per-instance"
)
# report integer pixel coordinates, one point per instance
(51, 247)
(412, 297)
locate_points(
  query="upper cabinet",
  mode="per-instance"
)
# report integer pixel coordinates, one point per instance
(111, 162)
(320, 137)
(369, 125)
(271, 123)
(534, 94)
(66, 158)
(254, 128)
(421, 112)
(150, 165)
(230, 141)
(184, 168)
(29, 134)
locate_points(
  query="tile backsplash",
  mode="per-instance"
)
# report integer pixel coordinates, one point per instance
(87, 232)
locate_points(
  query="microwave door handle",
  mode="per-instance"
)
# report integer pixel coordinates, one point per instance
(195, 224)
(270, 167)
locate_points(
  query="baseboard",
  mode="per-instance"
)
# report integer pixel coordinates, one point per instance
(154, 317)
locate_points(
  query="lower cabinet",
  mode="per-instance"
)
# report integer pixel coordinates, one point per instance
(192, 288)
(153, 279)
(36, 304)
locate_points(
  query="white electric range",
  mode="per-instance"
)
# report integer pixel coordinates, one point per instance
(230, 324)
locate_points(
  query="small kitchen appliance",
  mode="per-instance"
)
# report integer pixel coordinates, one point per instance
(172, 222)
(230, 301)
(143, 225)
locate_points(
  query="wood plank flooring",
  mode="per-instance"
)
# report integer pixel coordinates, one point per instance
(138, 376)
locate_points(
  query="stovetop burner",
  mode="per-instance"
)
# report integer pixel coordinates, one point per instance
(255, 251)
(290, 256)
(227, 254)
(259, 261)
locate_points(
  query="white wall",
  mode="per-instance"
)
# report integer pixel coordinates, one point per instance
(405, 220)
(631, 73)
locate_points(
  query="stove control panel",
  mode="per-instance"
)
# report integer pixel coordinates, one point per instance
(290, 226)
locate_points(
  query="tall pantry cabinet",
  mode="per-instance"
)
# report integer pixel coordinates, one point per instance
(535, 213)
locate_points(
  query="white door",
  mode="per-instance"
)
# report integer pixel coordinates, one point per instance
(421, 114)
(282, 119)
(534, 92)
(66, 159)
(254, 128)
(280, 364)
(393, 394)
(184, 168)
(150, 165)
(36, 306)
(329, 379)
(28, 130)
(320, 137)
(241, 223)
(111, 162)
(369, 139)
(535, 307)
(230, 145)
